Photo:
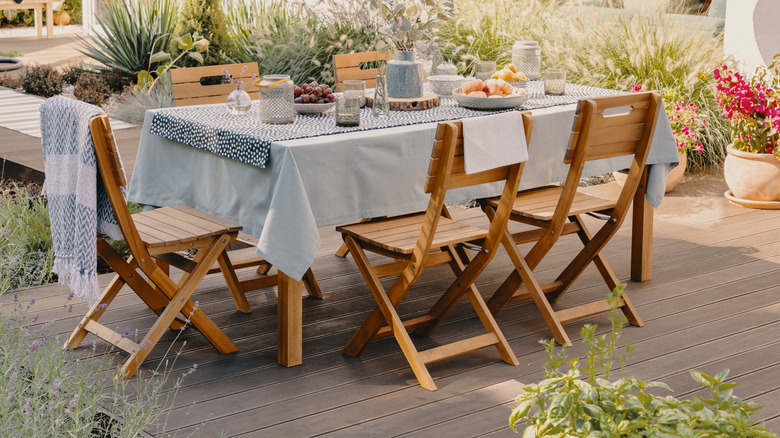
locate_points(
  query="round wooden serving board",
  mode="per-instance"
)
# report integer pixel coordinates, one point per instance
(427, 101)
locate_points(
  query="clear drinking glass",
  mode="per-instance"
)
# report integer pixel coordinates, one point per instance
(554, 81)
(484, 69)
(347, 111)
(381, 104)
(356, 89)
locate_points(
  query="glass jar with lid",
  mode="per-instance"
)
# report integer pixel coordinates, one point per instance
(527, 57)
(276, 99)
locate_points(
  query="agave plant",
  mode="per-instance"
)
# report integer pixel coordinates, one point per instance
(130, 29)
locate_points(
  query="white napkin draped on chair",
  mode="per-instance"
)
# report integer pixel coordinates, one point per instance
(494, 141)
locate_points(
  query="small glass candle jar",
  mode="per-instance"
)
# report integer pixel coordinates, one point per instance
(554, 81)
(356, 89)
(347, 111)
(484, 69)
(527, 58)
(277, 93)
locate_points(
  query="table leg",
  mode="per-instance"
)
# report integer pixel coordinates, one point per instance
(39, 20)
(290, 316)
(49, 20)
(642, 234)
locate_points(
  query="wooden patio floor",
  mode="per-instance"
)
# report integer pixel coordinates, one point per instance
(713, 303)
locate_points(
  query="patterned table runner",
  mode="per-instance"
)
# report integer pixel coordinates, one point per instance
(244, 138)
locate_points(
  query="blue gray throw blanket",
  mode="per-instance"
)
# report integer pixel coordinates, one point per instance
(78, 203)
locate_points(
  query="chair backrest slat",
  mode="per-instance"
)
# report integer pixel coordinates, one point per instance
(346, 67)
(113, 180)
(609, 127)
(187, 89)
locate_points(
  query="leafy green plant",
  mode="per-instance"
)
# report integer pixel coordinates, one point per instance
(45, 391)
(132, 104)
(131, 29)
(41, 80)
(565, 404)
(92, 88)
(25, 240)
(13, 53)
(190, 45)
(206, 18)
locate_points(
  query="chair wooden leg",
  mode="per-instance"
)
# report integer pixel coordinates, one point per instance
(466, 275)
(234, 286)
(312, 287)
(601, 263)
(95, 312)
(342, 251)
(386, 310)
(534, 290)
(180, 302)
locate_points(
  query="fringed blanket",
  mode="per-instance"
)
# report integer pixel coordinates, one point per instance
(78, 204)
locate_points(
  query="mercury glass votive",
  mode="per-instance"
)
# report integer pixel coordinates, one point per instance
(555, 81)
(347, 111)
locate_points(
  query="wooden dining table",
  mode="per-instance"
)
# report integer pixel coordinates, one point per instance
(282, 189)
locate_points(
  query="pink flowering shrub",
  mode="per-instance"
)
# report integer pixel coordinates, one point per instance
(687, 120)
(752, 106)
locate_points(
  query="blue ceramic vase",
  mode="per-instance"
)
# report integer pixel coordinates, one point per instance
(404, 76)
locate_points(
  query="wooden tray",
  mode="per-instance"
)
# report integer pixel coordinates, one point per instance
(764, 205)
(427, 101)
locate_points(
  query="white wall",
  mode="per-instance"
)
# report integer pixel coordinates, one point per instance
(752, 34)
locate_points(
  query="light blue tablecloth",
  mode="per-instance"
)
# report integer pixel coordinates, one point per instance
(332, 179)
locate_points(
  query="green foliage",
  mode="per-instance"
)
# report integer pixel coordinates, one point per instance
(92, 88)
(205, 18)
(566, 405)
(41, 80)
(191, 46)
(73, 8)
(13, 53)
(403, 22)
(132, 104)
(45, 391)
(131, 29)
(290, 39)
(25, 241)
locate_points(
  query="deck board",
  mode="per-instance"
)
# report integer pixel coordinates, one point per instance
(713, 303)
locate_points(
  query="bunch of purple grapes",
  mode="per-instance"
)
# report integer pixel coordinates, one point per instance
(314, 93)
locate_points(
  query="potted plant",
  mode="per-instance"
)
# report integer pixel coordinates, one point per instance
(752, 105)
(687, 122)
(401, 24)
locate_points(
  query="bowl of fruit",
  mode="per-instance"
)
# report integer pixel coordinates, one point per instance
(313, 98)
(491, 94)
(510, 74)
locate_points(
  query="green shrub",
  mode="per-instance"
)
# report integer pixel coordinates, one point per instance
(131, 29)
(564, 404)
(299, 40)
(41, 80)
(132, 104)
(92, 88)
(205, 18)
(25, 240)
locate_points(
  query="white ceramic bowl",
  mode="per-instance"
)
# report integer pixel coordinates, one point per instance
(312, 108)
(444, 84)
(489, 103)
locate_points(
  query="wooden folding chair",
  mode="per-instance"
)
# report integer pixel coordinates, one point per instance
(598, 132)
(431, 238)
(346, 67)
(188, 90)
(154, 238)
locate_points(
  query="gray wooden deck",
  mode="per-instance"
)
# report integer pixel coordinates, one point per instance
(713, 303)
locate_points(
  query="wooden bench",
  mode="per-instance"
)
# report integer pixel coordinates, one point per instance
(38, 5)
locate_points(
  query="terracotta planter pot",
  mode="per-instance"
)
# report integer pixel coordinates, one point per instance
(674, 177)
(61, 18)
(750, 176)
